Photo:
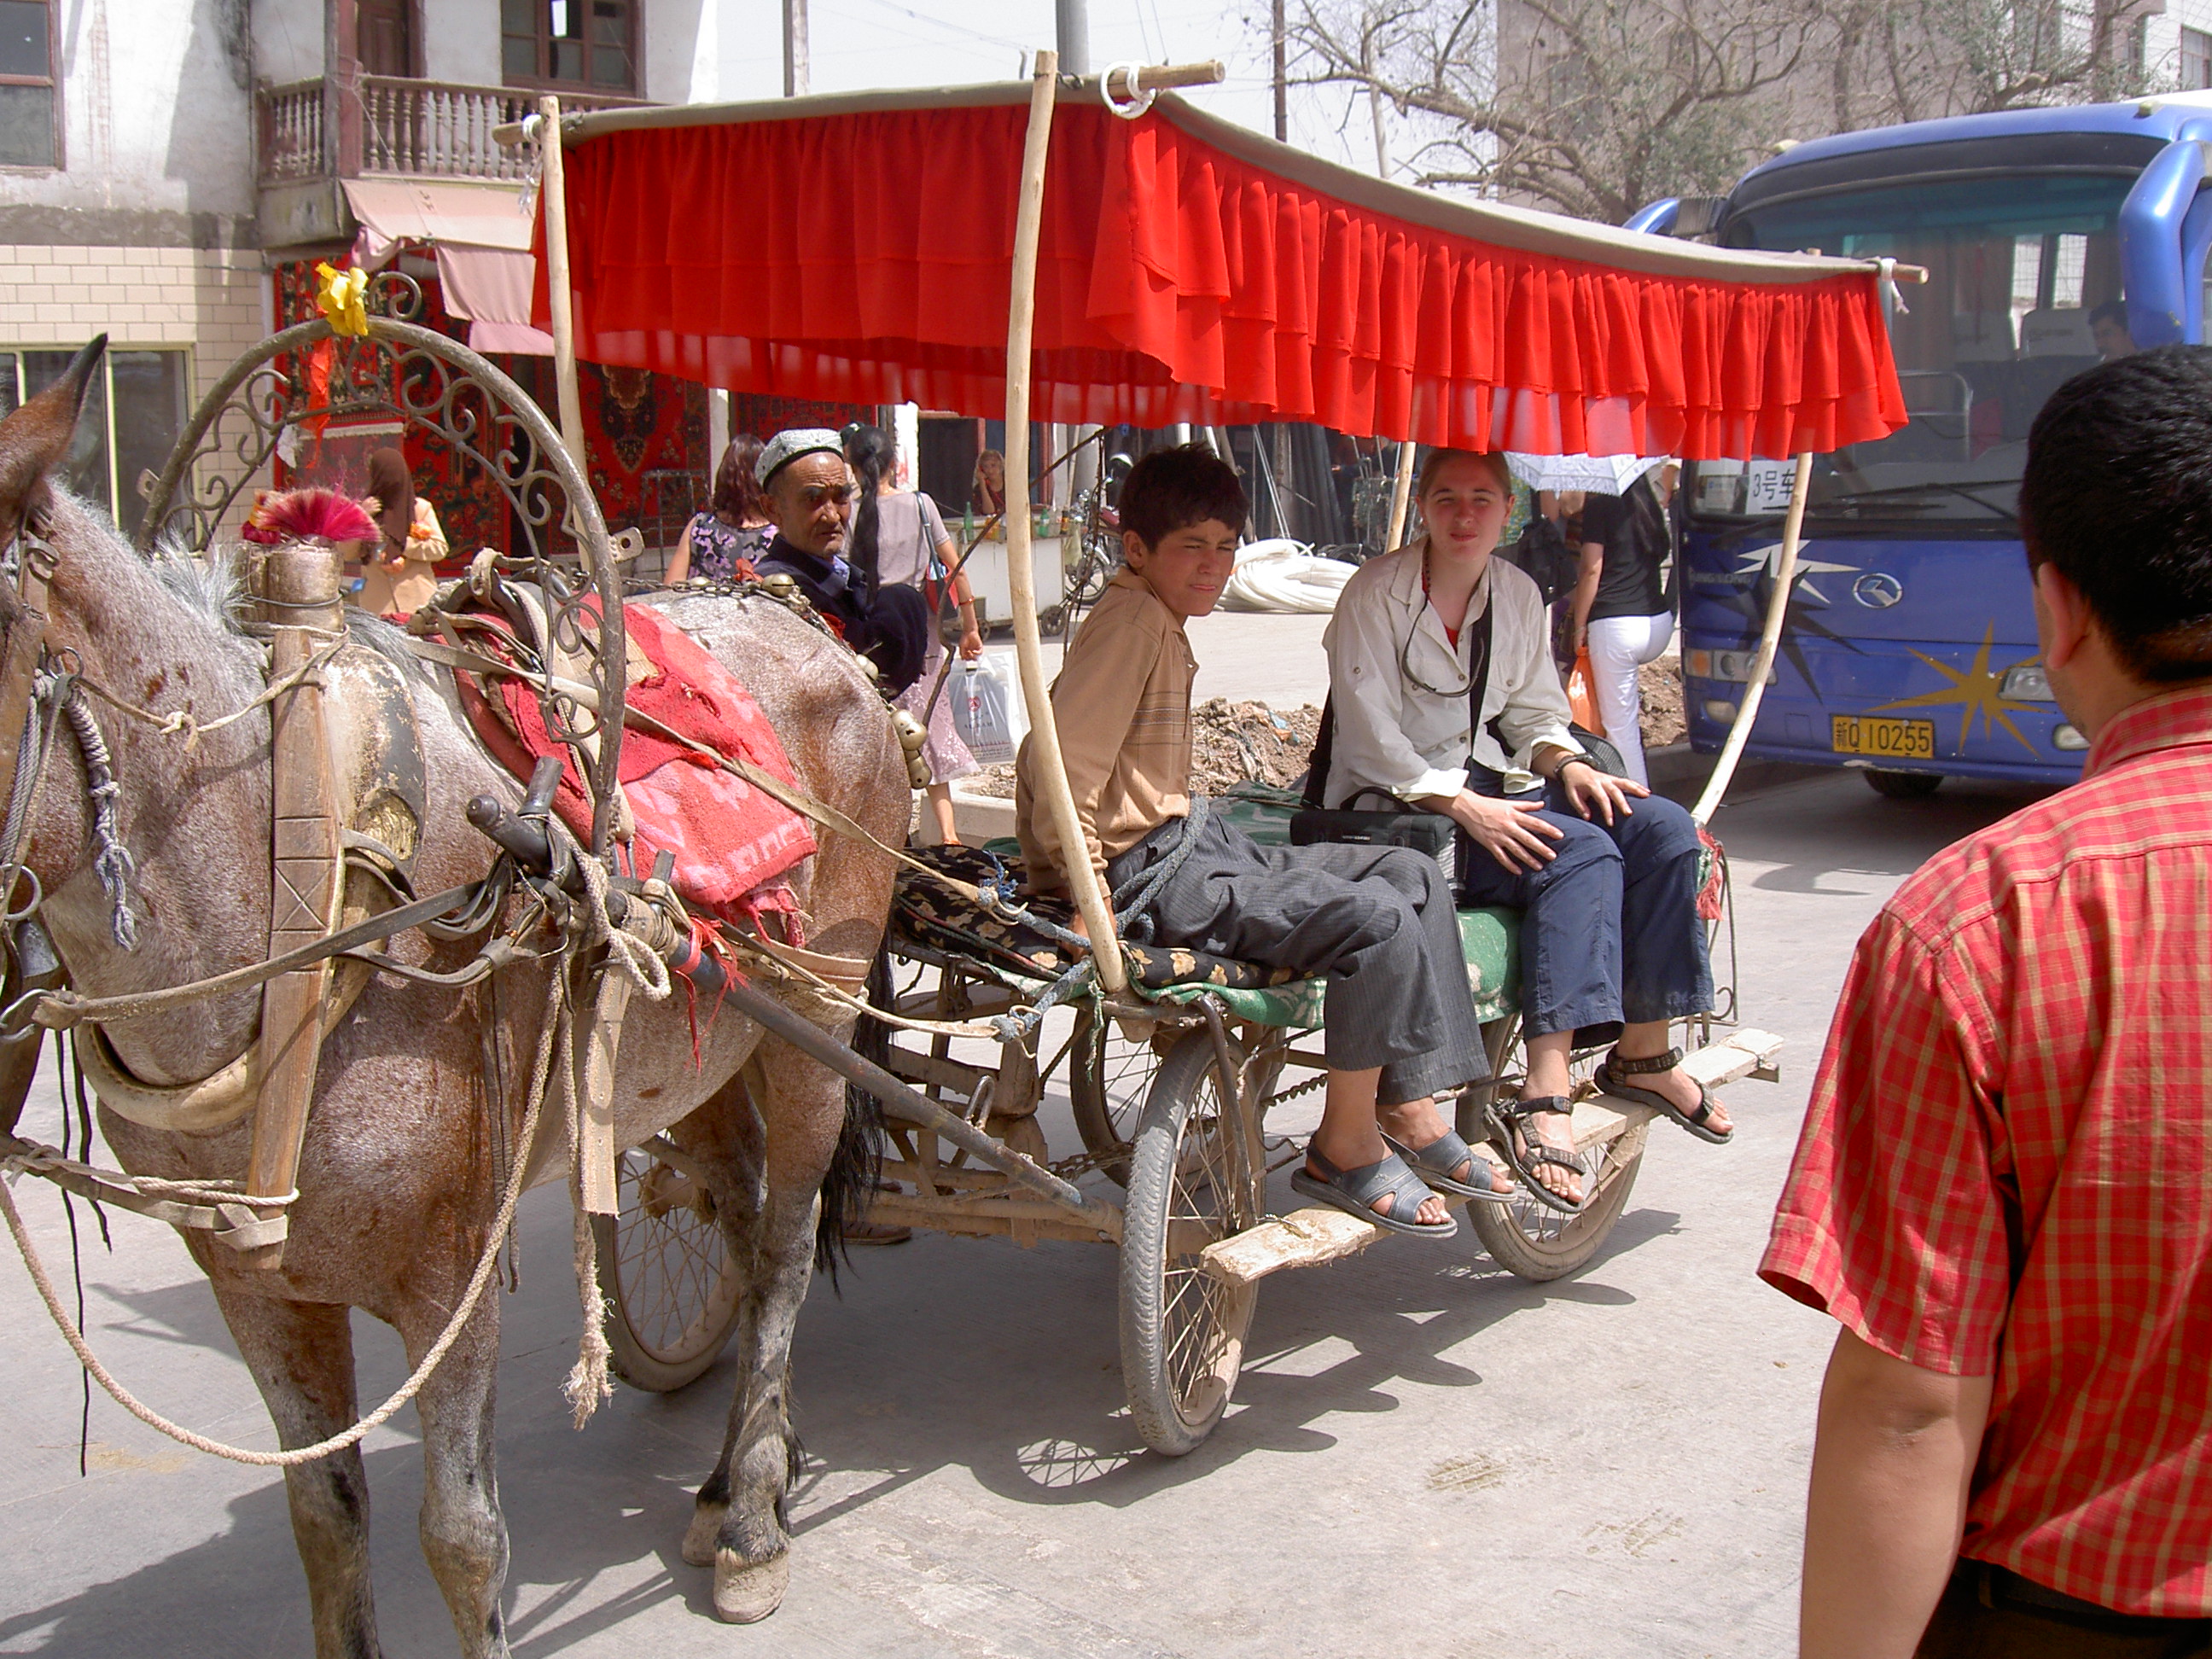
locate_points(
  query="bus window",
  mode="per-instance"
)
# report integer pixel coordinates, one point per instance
(2016, 266)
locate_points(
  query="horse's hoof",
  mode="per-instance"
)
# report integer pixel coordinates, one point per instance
(745, 1593)
(699, 1537)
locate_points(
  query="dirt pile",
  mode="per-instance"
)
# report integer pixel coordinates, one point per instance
(1664, 721)
(1233, 743)
(1236, 743)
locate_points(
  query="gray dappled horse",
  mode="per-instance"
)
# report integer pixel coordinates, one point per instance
(397, 1179)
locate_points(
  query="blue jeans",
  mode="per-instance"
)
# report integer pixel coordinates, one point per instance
(1609, 929)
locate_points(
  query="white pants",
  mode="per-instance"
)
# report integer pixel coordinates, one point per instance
(1619, 646)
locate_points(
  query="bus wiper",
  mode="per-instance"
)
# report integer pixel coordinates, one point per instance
(1855, 496)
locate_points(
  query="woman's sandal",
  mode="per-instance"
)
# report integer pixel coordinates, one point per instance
(1436, 1162)
(1355, 1191)
(1615, 1066)
(1529, 1155)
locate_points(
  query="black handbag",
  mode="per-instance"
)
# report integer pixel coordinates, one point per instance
(1398, 825)
(1402, 824)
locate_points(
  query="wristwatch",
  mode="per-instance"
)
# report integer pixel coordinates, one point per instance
(1560, 770)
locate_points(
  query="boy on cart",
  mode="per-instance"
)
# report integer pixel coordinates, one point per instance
(1376, 923)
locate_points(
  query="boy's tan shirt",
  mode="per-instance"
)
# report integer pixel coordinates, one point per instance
(1122, 704)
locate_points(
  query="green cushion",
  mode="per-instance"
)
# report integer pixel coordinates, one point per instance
(925, 913)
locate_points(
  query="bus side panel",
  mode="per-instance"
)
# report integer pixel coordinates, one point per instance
(1910, 640)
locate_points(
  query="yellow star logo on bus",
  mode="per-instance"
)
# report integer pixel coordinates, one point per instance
(1979, 690)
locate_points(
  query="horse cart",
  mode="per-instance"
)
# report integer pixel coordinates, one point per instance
(1174, 270)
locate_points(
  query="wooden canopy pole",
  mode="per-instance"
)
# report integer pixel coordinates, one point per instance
(553, 191)
(1770, 638)
(1049, 773)
(1402, 496)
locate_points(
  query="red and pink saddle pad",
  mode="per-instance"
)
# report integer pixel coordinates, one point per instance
(733, 844)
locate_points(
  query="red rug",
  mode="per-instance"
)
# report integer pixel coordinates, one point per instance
(732, 844)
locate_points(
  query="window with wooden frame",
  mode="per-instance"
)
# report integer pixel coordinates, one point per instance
(587, 43)
(30, 104)
(2196, 60)
(134, 412)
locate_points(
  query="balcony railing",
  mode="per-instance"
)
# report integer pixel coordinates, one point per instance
(383, 124)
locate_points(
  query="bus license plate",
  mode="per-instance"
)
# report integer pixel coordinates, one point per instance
(1861, 734)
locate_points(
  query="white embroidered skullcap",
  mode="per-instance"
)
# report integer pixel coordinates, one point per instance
(787, 447)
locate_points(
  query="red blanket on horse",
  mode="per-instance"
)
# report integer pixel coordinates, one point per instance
(733, 843)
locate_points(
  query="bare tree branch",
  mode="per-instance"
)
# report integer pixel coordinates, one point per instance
(1597, 106)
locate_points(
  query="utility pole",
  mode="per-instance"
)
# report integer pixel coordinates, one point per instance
(794, 48)
(1282, 75)
(1071, 21)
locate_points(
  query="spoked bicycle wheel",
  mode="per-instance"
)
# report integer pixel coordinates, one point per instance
(1109, 1076)
(1196, 1176)
(666, 1271)
(1532, 1239)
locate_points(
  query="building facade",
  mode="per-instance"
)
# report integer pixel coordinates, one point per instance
(171, 172)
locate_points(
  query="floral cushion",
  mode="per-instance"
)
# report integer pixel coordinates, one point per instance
(930, 915)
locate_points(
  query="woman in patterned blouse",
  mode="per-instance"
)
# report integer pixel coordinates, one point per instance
(734, 529)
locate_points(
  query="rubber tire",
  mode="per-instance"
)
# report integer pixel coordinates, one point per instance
(1534, 1242)
(1171, 1423)
(637, 1363)
(1086, 1094)
(1902, 786)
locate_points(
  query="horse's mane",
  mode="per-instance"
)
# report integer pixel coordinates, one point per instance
(212, 585)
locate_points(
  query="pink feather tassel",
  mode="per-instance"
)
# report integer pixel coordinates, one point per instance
(306, 515)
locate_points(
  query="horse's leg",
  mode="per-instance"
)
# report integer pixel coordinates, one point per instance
(725, 1136)
(464, 1534)
(802, 1111)
(301, 1354)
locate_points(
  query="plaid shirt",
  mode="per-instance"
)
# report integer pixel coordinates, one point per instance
(2004, 1169)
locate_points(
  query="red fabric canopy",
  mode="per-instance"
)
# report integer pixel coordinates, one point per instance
(857, 250)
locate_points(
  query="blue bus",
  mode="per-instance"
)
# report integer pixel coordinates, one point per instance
(2051, 237)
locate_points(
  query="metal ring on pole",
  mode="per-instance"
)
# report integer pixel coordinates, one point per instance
(1139, 98)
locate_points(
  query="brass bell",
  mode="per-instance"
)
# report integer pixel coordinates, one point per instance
(782, 584)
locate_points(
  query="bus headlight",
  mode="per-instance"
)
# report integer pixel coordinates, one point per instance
(1720, 711)
(2065, 736)
(1735, 666)
(2026, 683)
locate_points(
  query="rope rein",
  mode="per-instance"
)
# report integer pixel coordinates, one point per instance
(555, 1022)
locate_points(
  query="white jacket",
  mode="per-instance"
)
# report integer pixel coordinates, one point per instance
(1394, 735)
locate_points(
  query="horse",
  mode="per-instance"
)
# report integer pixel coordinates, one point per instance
(398, 1178)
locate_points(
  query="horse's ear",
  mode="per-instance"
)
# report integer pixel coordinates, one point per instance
(35, 439)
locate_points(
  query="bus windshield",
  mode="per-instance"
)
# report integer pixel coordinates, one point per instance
(2016, 267)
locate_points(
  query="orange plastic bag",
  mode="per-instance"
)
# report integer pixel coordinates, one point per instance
(1582, 694)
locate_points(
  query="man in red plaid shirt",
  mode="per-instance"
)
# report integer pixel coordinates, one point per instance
(2003, 1192)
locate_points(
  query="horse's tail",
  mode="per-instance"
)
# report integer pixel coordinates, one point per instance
(850, 1186)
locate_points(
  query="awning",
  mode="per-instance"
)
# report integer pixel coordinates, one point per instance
(856, 249)
(480, 235)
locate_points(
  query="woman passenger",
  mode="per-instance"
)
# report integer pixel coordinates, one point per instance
(735, 529)
(1605, 873)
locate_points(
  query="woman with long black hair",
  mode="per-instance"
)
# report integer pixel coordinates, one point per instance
(900, 540)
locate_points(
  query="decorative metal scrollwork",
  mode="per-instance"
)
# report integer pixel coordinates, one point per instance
(440, 391)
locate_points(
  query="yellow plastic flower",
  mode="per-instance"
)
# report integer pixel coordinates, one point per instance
(342, 299)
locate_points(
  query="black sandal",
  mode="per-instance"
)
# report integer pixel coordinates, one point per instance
(1697, 1122)
(1511, 1134)
(1436, 1162)
(1355, 1190)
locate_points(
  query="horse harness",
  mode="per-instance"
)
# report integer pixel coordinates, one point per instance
(349, 799)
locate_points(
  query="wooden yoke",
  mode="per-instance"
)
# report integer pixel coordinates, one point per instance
(299, 595)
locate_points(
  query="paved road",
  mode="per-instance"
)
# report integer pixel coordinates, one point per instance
(1423, 1453)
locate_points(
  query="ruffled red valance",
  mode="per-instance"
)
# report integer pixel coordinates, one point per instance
(857, 251)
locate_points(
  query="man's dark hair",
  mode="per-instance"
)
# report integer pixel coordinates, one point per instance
(1171, 489)
(2112, 311)
(2117, 494)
